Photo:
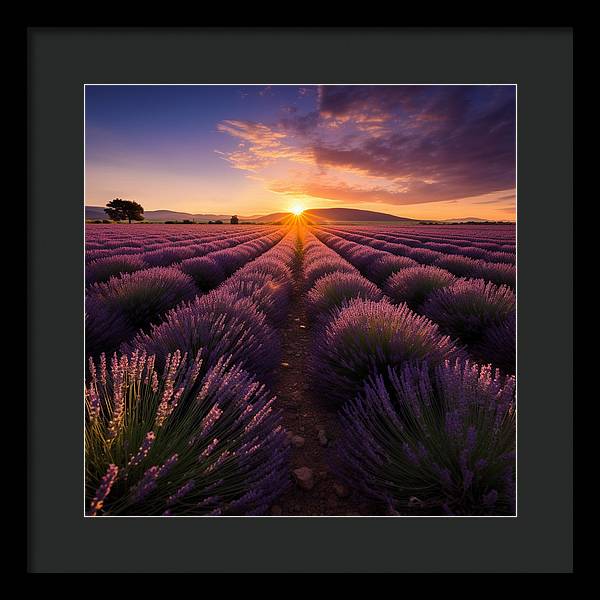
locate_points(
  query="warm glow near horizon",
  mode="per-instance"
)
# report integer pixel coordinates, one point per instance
(423, 152)
(297, 209)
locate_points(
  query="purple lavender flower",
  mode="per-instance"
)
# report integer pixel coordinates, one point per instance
(117, 308)
(271, 296)
(490, 498)
(431, 432)
(498, 345)
(205, 270)
(165, 257)
(461, 266)
(103, 490)
(222, 439)
(387, 265)
(217, 324)
(367, 336)
(142, 453)
(414, 285)
(324, 265)
(468, 307)
(331, 291)
(103, 269)
(185, 489)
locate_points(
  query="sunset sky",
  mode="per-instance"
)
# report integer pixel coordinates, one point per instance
(429, 152)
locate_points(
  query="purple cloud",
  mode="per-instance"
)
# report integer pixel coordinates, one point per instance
(401, 144)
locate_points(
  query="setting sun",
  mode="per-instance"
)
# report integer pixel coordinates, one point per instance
(297, 210)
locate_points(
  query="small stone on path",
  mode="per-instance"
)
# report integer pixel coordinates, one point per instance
(304, 478)
(322, 437)
(297, 441)
(341, 490)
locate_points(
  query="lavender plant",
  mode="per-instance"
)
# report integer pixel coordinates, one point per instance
(206, 271)
(103, 269)
(272, 266)
(387, 265)
(414, 284)
(498, 345)
(461, 266)
(271, 296)
(433, 441)
(498, 273)
(180, 443)
(166, 256)
(468, 307)
(217, 324)
(115, 310)
(425, 256)
(331, 291)
(325, 265)
(364, 337)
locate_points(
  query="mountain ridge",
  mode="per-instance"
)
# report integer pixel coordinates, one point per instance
(164, 214)
(315, 215)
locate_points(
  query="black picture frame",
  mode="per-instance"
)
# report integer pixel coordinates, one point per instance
(61, 61)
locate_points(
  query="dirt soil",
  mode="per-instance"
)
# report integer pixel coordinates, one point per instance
(304, 415)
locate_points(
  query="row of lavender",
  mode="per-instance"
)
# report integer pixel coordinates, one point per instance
(499, 271)
(471, 308)
(493, 239)
(128, 240)
(203, 438)
(128, 301)
(101, 264)
(425, 429)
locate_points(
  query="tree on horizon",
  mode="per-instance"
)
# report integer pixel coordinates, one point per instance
(119, 210)
(234, 220)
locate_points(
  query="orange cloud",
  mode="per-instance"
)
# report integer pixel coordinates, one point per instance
(399, 145)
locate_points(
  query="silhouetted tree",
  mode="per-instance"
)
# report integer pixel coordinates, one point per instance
(119, 210)
(234, 220)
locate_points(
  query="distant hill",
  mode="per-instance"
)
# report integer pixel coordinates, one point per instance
(97, 212)
(316, 215)
(272, 218)
(336, 215)
(351, 214)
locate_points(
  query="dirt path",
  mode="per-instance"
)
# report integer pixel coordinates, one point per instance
(304, 416)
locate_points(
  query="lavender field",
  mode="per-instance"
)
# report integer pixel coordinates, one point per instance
(300, 369)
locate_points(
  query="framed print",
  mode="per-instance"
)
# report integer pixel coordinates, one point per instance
(302, 293)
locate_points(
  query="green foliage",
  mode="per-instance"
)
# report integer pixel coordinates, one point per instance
(180, 443)
(121, 210)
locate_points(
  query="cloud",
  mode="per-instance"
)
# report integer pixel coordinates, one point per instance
(261, 146)
(266, 91)
(340, 192)
(393, 144)
(494, 201)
